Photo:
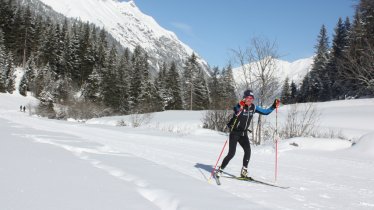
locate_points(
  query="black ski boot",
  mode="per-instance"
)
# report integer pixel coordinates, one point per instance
(217, 174)
(244, 174)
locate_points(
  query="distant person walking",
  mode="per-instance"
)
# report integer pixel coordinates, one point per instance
(20, 108)
(24, 108)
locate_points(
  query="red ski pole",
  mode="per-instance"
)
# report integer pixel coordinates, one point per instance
(219, 157)
(211, 174)
(276, 141)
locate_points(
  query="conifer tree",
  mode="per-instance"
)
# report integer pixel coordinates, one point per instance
(86, 53)
(137, 77)
(124, 73)
(228, 87)
(173, 84)
(200, 92)
(109, 84)
(72, 55)
(102, 48)
(149, 99)
(320, 81)
(2, 82)
(22, 89)
(62, 90)
(161, 85)
(195, 87)
(91, 89)
(6, 23)
(2, 63)
(286, 92)
(358, 63)
(294, 92)
(305, 92)
(334, 71)
(27, 35)
(215, 87)
(43, 78)
(30, 71)
(9, 73)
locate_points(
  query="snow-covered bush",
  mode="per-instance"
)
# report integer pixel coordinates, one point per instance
(216, 119)
(121, 123)
(140, 119)
(301, 121)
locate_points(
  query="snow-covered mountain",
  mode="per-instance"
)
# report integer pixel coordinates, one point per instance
(295, 71)
(126, 23)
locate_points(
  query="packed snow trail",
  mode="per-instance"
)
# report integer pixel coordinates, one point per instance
(155, 169)
(95, 177)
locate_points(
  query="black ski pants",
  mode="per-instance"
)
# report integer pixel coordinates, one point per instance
(244, 142)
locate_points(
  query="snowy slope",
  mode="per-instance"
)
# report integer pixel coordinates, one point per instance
(128, 25)
(165, 164)
(295, 71)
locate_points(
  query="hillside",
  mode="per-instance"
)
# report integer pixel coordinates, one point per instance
(128, 25)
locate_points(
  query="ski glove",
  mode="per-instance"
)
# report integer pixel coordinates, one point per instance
(275, 104)
(242, 103)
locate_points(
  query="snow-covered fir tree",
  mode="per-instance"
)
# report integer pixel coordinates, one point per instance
(149, 99)
(318, 78)
(2, 63)
(294, 92)
(124, 73)
(9, 71)
(173, 84)
(161, 85)
(339, 43)
(195, 92)
(228, 84)
(286, 92)
(110, 92)
(22, 89)
(91, 89)
(137, 77)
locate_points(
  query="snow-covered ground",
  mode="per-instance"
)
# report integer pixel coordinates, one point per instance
(166, 164)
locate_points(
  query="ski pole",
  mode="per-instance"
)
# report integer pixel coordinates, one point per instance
(276, 142)
(219, 157)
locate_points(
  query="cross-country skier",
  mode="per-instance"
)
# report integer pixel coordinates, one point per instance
(238, 125)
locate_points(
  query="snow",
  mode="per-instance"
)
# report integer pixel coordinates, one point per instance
(166, 162)
(295, 71)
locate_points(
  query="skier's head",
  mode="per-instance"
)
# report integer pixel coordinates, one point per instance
(248, 93)
(248, 97)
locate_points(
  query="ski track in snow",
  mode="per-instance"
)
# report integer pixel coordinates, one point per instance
(159, 197)
(87, 150)
(154, 165)
(102, 157)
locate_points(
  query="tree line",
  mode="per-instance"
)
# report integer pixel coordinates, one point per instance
(346, 68)
(69, 63)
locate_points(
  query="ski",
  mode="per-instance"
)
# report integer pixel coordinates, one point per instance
(250, 179)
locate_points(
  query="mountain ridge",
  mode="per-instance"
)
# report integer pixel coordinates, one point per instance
(126, 23)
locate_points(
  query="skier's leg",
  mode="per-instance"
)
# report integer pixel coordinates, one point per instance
(244, 142)
(232, 149)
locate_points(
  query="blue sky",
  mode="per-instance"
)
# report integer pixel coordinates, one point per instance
(213, 28)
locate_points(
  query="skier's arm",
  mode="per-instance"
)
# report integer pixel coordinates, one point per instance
(237, 109)
(267, 111)
(264, 111)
